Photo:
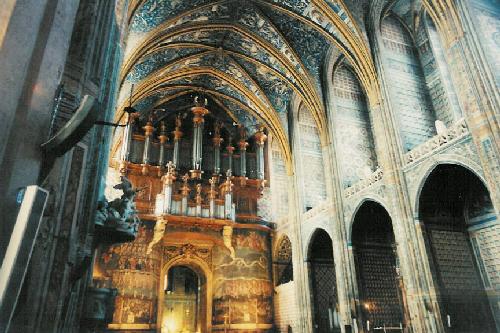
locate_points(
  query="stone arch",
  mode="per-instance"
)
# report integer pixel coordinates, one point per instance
(431, 164)
(202, 269)
(283, 254)
(322, 281)
(379, 281)
(309, 147)
(310, 237)
(361, 201)
(407, 90)
(458, 222)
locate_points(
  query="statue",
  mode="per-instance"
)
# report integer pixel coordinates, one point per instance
(118, 219)
(178, 122)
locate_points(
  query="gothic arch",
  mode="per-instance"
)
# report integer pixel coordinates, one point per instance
(283, 260)
(431, 164)
(310, 237)
(370, 198)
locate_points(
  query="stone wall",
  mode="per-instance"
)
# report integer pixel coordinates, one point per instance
(407, 87)
(356, 150)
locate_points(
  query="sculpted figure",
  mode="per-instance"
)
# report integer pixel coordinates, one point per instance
(120, 214)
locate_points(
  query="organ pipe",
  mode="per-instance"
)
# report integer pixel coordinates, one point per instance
(217, 140)
(199, 112)
(177, 138)
(260, 139)
(228, 196)
(147, 145)
(230, 150)
(185, 194)
(243, 152)
(163, 139)
(126, 141)
(168, 183)
(212, 195)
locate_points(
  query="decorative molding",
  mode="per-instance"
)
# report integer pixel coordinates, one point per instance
(187, 251)
(375, 177)
(457, 131)
(323, 207)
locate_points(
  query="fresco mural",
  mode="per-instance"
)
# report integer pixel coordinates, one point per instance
(134, 273)
(242, 285)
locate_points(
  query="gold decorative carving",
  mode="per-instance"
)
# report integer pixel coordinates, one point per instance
(188, 251)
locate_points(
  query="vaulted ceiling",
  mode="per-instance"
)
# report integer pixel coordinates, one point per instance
(250, 57)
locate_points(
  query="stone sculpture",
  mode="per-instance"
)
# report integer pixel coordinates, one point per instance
(118, 219)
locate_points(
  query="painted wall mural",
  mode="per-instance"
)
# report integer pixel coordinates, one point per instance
(134, 273)
(242, 285)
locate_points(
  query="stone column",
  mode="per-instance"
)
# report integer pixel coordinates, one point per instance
(418, 287)
(478, 97)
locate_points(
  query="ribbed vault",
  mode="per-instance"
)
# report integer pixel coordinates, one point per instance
(250, 57)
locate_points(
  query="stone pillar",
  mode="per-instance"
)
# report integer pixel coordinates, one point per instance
(478, 97)
(418, 288)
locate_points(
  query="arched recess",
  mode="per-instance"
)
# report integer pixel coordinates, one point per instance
(204, 274)
(461, 233)
(311, 158)
(381, 290)
(406, 83)
(352, 127)
(283, 266)
(436, 72)
(323, 283)
(279, 182)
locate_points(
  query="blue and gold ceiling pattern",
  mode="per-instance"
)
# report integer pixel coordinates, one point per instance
(251, 57)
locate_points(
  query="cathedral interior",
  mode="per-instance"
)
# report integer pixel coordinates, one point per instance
(241, 166)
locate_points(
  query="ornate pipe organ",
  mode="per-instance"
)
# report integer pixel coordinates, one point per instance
(199, 176)
(203, 168)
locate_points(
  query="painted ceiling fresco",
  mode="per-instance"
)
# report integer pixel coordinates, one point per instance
(250, 57)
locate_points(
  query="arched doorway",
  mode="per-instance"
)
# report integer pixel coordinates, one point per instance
(458, 219)
(181, 302)
(323, 284)
(379, 282)
(185, 298)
